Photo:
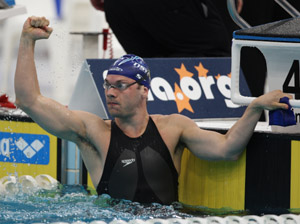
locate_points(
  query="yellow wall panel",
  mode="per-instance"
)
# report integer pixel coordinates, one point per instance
(295, 175)
(212, 184)
(19, 169)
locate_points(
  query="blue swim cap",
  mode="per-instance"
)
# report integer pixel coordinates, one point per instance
(133, 67)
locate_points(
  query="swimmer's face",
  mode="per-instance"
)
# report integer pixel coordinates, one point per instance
(123, 95)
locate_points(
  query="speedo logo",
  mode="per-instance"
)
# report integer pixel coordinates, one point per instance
(191, 87)
(127, 162)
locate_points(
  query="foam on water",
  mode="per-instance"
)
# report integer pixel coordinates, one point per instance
(72, 203)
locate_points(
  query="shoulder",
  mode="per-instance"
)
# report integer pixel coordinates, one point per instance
(172, 128)
(171, 118)
(177, 121)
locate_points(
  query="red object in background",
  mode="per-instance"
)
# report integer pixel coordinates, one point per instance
(98, 4)
(5, 103)
(107, 43)
(105, 37)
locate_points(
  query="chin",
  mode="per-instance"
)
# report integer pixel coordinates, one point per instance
(113, 113)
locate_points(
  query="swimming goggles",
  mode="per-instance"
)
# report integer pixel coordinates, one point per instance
(119, 85)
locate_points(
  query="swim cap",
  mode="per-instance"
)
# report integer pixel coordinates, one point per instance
(133, 67)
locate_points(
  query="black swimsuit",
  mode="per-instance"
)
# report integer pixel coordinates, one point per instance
(139, 169)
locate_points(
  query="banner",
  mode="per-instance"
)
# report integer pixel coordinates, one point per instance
(195, 87)
(27, 149)
(24, 148)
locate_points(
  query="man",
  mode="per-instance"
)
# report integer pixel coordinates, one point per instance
(136, 156)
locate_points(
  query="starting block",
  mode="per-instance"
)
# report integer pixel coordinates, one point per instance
(279, 44)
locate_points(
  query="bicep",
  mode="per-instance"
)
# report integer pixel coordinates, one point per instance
(204, 144)
(56, 118)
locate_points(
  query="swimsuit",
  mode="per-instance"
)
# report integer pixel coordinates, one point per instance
(139, 169)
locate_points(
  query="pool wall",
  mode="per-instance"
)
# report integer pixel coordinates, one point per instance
(27, 149)
(265, 178)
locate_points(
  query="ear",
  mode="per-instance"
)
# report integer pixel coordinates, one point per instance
(145, 92)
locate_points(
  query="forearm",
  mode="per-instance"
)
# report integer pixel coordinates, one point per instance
(239, 135)
(49, 114)
(26, 82)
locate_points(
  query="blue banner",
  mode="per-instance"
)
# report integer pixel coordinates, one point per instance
(195, 87)
(24, 148)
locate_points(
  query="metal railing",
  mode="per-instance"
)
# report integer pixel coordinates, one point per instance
(231, 6)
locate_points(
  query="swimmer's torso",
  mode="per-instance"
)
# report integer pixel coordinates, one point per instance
(139, 169)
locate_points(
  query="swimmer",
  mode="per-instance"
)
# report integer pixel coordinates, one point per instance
(135, 156)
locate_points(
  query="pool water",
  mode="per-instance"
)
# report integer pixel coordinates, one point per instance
(43, 199)
(72, 203)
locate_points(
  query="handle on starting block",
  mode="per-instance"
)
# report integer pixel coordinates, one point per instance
(281, 69)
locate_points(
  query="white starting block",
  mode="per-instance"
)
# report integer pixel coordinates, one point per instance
(279, 43)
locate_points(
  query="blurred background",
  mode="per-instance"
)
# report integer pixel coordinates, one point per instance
(58, 59)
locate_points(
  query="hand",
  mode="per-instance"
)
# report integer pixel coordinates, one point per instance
(270, 101)
(36, 28)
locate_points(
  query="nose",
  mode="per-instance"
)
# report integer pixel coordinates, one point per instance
(110, 93)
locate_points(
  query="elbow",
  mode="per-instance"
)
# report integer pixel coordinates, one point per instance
(224, 157)
(231, 157)
(234, 158)
(18, 103)
(21, 104)
(24, 104)
(25, 98)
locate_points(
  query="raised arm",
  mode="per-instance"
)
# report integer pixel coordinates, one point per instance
(214, 146)
(49, 114)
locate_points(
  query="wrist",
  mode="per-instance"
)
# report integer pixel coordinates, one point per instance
(255, 106)
(26, 40)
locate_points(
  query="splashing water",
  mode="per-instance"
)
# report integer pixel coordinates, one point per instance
(72, 203)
